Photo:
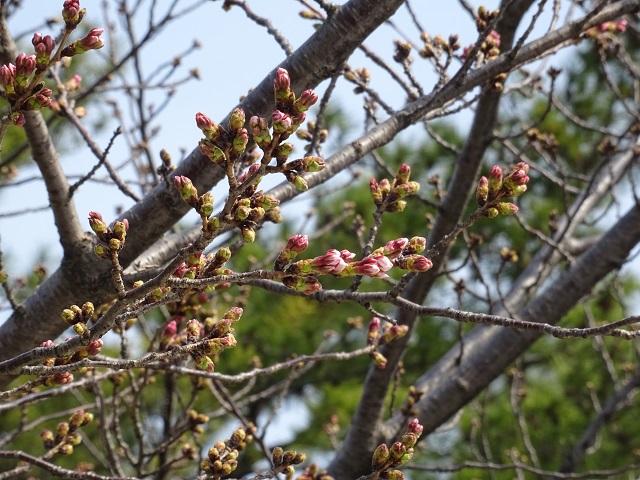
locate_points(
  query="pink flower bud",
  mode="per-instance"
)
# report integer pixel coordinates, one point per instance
(495, 179)
(403, 173)
(297, 243)
(393, 248)
(74, 83)
(71, 13)
(312, 164)
(506, 208)
(43, 46)
(306, 100)
(281, 122)
(415, 427)
(482, 192)
(96, 223)
(25, 65)
(369, 267)
(237, 119)
(330, 262)
(282, 82)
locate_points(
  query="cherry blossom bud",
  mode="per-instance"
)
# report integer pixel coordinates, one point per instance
(495, 179)
(398, 449)
(283, 151)
(7, 76)
(414, 263)
(91, 41)
(330, 262)
(306, 100)
(306, 285)
(369, 267)
(379, 359)
(115, 244)
(17, 118)
(43, 46)
(415, 427)
(25, 65)
(403, 173)
(282, 85)
(240, 141)
(406, 189)
(205, 205)
(204, 363)
(312, 164)
(506, 208)
(380, 457)
(71, 13)
(297, 243)
(373, 330)
(188, 192)
(101, 251)
(94, 347)
(281, 122)
(260, 130)
(491, 212)
(300, 183)
(237, 119)
(394, 475)
(248, 234)
(48, 439)
(120, 229)
(482, 192)
(204, 123)
(96, 223)
(416, 245)
(73, 83)
(376, 192)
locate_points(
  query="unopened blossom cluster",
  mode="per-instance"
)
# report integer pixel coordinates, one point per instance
(221, 459)
(436, 46)
(112, 237)
(389, 196)
(301, 275)
(492, 190)
(21, 81)
(385, 460)
(213, 335)
(62, 378)
(379, 334)
(228, 148)
(67, 433)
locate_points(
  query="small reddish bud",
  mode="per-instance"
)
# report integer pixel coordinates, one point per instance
(204, 123)
(237, 119)
(403, 173)
(306, 100)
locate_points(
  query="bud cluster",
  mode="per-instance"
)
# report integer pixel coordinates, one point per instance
(79, 317)
(490, 191)
(113, 237)
(222, 458)
(300, 276)
(378, 334)
(489, 48)
(215, 335)
(385, 459)
(252, 207)
(359, 76)
(391, 194)
(203, 204)
(66, 435)
(225, 146)
(547, 141)
(62, 378)
(313, 472)
(283, 461)
(436, 46)
(21, 81)
(199, 265)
